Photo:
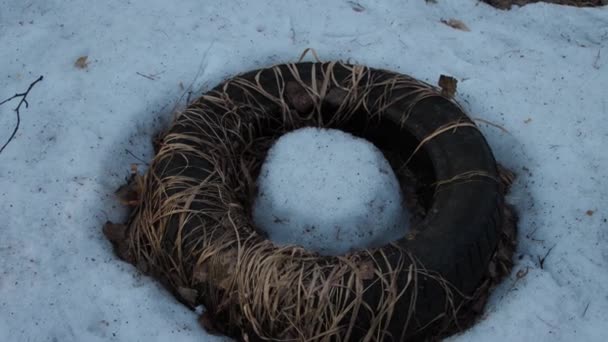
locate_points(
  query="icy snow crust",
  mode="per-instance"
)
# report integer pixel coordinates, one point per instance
(330, 192)
(541, 72)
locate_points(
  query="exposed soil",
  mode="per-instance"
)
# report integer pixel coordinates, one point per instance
(506, 4)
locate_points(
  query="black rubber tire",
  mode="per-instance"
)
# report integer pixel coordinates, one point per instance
(460, 231)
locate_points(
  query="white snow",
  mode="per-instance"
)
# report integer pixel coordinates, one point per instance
(540, 71)
(330, 192)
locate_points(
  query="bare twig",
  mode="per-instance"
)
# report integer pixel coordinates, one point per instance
(522, 273)
(146, 76)
(23, 97)
(586, 307)
(190, 88)
(189, 96)
(541, 261)
(151, 77)
(547, 323)
(596, 64)
(136, 157)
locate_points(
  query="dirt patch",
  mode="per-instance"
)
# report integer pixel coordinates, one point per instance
(506, 4)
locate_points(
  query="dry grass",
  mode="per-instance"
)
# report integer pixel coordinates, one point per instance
(191, 227)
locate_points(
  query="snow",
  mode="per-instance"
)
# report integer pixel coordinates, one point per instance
(540, 72)
(330, 192)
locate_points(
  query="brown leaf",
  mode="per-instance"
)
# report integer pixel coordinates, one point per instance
(82, 62)
(448, 85)
(129, 194)
(522, 273)
(589, 212)
(455, 23)
(206, 321)
(115, 232)
(366, 270)
(229, 260)
(143, 266)
(336, 96)
(201, 272)
(188, 294)
(298, 97)
(225, 283)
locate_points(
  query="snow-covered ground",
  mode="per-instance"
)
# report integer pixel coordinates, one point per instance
(541, 72)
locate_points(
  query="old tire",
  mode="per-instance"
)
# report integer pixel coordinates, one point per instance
(460, 191)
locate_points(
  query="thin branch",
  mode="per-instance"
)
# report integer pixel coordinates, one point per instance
(547, 323)
(146, 76)
(23, 100)
(541, 261)
(136, 157)
(151, 77)
(586, 308)
(596, 64)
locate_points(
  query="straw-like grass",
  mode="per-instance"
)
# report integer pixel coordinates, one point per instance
(191, 226)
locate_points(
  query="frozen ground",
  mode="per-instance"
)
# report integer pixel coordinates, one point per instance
(541, 72)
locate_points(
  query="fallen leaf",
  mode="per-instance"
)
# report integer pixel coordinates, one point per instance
(522, 273)
(114, 232)
(226, 283)
(201, 272)
(206, 321)
(455, 23)
(82, 62)
(117, 234)
(188, 294)
(129, 194)
(448, 85)
(298, 97)
(143, 266)
(589, 212)
(336, 96)
(366, 270)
